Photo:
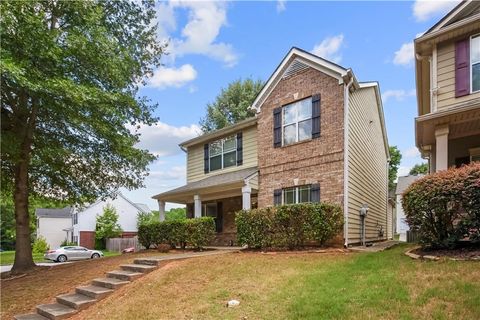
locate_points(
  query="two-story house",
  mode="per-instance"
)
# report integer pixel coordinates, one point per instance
(318, 135)
(448, 89)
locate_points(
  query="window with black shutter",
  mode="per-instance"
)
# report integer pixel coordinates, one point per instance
(277, 197)
(239, 149)
(277, 127)
(316, 116)
(315, 193)
(206, 158)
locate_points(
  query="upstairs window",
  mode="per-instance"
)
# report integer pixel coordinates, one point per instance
(475, 63)
(75, 218)
(223, 153)
(297, 121)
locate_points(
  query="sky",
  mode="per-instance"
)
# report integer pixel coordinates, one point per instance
(211, 44)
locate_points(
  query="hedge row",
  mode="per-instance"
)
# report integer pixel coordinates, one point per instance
(444, 207)
(193, 232)
(289, 226)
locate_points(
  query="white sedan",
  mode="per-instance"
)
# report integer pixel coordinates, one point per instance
(64, 254)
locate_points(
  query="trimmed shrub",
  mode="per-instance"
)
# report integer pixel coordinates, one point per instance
(288, 226)
(40, 245)
(200, 231)
(146, 234)
(444, 207)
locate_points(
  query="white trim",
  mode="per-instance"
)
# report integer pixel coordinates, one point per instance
(470, 62)
(451, 16)
(346, 94)
(296, 122)
(309, 59)
(297, 193)
(222, 153)
(434, 82)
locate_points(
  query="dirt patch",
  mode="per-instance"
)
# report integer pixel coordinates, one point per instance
(468, 253)
(21, 294)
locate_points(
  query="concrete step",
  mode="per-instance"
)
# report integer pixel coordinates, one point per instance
(92, 291)
(148, 262)
(110, 283)
(55, 311)
(31, 316)
(124, 275)
(75, 300)
(143, 268)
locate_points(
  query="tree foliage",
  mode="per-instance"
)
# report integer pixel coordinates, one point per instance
(107, 224)
(395, 158)
(419, 168)
(232, 104)
(70, 72)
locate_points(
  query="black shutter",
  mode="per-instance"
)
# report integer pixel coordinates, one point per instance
(277, 127)
(315, 193)
(239, 149)
(219, 218)
(277, 197)
(206, 168)
(316, 116)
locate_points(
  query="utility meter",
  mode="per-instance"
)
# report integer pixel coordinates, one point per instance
(364, 210)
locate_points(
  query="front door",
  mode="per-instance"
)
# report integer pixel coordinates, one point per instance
(214, 210)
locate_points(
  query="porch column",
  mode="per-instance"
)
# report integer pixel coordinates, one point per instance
(246, 199)
(197, 206)
(161, 210)
(441, 148)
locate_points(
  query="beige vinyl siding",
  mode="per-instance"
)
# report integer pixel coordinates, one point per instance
(195, 156)
(367, 182)
(446, 78)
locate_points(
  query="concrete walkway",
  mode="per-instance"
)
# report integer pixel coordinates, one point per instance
(376, 246)
(40, 264)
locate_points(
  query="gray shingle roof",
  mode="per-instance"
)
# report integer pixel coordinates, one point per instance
(404, 182)
(219, 179)
(54, 213)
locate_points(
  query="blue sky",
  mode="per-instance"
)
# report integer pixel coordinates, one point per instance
(214, 43)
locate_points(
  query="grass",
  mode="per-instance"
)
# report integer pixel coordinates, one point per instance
(7, 257)
(386, 285)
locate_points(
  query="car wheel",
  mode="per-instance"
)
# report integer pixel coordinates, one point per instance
(62, 258)
(95, 256)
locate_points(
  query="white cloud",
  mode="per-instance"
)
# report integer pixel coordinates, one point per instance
(172, 77)
(329, 48)
(399, 95)
(173, 173)
(411, 152)
(423, 10)
(281, 5)
(162, 139)
(405, 55)
(199, 35)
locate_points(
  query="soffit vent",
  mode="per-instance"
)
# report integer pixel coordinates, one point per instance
(295, 67)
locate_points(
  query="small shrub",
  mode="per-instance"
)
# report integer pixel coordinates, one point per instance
(163, 248)
(288, 226)
(40, 245)
(67, 243)
(444, 207)
(146, 234)
(178, 233)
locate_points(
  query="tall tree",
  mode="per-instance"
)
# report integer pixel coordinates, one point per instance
(419, 168)
(107, 225)
(70, 72)
(395, 158)
(232, 104)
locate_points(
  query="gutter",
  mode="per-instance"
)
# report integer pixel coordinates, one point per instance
(345, 156)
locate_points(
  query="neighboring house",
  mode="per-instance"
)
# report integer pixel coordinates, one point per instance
(402, 185)
(84, 219)
(55, 225)
(318, 135)
(448, 89)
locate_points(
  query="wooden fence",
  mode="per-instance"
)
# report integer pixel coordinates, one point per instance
(118, 244)
(412, 236)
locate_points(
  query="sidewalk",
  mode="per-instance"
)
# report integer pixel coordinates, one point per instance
(40, 264)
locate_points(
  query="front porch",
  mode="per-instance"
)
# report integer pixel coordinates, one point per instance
(218, 196)
(450, 138)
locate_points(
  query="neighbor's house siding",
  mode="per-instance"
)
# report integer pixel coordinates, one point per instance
(318, 160)
(367, 160)
(52, 230)
(195, 155)
(446, 77)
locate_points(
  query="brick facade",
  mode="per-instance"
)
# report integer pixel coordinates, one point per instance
(312, 161)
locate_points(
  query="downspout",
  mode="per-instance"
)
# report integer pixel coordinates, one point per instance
(345, 159)
(387, 203)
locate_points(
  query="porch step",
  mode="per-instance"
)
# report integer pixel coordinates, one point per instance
(92, 291)
(55, 311)
(109, 283)
(148, 262)
(31, 316)
(138, 268)
(75, 300)
(124, 275)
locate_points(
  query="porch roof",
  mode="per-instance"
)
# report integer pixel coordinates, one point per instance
(210, 185)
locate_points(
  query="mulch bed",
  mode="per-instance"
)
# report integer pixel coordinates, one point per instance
(466, 253)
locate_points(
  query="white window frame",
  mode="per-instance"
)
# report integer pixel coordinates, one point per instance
(296, 122)
(472, 62)
(297, 193)
(222, 153)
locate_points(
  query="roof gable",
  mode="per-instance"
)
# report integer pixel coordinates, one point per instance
(295, 61)
(462, 11)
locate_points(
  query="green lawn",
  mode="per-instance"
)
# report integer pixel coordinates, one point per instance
(385, 285)
(7, 257)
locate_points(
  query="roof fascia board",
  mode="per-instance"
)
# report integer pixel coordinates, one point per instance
(451, 15)
(449, 28)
